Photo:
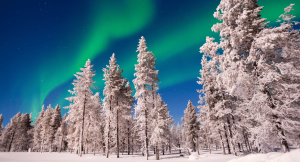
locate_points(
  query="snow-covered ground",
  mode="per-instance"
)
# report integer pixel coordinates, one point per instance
(216, 156)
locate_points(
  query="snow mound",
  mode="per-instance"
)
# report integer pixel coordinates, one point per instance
(194, 156)
(293, 156)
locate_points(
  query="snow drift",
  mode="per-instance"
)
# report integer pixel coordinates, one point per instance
(293, 156)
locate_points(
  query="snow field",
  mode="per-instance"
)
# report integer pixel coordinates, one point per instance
(216, 156)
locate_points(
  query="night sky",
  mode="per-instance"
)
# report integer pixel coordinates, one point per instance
(43, 43)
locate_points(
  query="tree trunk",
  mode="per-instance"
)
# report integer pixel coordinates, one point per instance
(226, 137)
(239, 145)
(108, 132)
(128, 140)
(163, 149)
(132, 146)
(207, 139)
(82, 128)
(10, 143)
(118, 146)
(156, 152)
(197, 144)
(61, 143)
(231, 137)
(107, 141)
(224, 153)
(146, 144)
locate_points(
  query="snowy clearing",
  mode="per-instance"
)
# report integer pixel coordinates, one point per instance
(293, 156)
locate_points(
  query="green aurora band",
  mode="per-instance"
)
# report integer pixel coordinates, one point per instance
(110, 22)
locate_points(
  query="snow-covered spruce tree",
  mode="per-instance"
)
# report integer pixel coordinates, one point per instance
(93, 125)
(160, 125)
(37, 139)
(9, 134)
(54, 125)
(81, 105)
(178, 137)
(111, 104)
(46, 129)
(15, 136)
(173, 136)
(190, 126)
(22, 137)
(71, 138)
(241, 23)
(134, 135)
(146, 84)
(61, 134)
(125, 114)
(210, 94)
(275, 104)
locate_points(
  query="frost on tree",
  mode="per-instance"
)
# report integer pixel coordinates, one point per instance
(190, 126)
(256, 78)
(146, 85)
(160, 125)
(275, 105)
(37, 140)
(81, 108)
(15, 136)
(117, 107)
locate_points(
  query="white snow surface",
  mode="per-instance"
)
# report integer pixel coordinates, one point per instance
(216, 156)
(293, 156)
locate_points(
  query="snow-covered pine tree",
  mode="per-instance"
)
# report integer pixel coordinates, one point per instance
(22, 137)
(160, 125)
(61, 133)
(135, 142)
(173, 136)
(111, 103)
(46, 129)
(178, 137)
(125, 113)
(190, 126)
(241, 23)
(146, 84)
(94, 122)
(9, 133)
(37, 139)
(275, 104)
(54, 125)
(81, 105)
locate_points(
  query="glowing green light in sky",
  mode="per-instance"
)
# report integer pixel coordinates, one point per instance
(109, 21)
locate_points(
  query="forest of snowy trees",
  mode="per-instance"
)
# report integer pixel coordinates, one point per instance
(249, 101)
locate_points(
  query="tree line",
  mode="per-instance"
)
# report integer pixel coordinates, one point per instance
(249, 101)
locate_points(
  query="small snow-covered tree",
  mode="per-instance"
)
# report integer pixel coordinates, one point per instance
(37, 139)
(81, 104)
(61, 133)
(46, 129)
(9, 133)
(23, 139)
(190, 126)
(160, 125)
(55, 124)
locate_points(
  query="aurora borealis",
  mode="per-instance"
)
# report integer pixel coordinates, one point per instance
(45, 42)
